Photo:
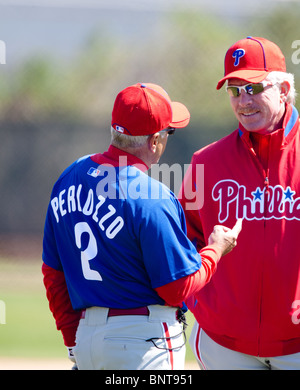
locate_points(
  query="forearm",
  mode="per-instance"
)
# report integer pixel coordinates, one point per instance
(65, 316)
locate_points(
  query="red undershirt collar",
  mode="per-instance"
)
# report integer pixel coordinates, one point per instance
(118, 157)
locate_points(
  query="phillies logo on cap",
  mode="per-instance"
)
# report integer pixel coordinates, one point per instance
(237, 54)
(252, 59)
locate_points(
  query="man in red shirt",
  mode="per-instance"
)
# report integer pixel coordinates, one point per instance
(248, 316)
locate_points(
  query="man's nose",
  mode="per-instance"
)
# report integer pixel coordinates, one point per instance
(245, 98)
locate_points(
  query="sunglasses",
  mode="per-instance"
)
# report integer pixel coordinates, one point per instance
(169, 130)
(250, 89)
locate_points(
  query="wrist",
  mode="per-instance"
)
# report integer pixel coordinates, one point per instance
(69, 335)
(215, 251)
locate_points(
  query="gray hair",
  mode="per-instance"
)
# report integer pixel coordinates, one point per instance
(280, 77)
(127, 141)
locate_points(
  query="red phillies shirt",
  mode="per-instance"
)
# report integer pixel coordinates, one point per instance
(252, 304)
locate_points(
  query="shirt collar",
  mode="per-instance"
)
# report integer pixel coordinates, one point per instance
(123, 158)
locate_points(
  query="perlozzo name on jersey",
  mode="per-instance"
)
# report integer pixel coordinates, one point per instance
(70, 200)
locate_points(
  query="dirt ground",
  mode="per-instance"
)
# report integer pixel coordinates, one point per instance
(34, 364)
(49, 364)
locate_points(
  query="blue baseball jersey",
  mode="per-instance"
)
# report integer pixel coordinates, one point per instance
(116, 233)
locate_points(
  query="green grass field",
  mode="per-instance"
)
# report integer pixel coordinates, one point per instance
(29, 330)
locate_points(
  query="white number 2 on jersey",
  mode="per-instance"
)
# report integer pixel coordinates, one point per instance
(89, 253)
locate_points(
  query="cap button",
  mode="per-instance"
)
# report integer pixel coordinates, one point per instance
(143, 85)
(249, 37)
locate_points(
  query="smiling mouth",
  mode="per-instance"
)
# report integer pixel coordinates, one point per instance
(248, 113)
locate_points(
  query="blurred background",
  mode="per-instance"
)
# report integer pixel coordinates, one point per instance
(62, 64)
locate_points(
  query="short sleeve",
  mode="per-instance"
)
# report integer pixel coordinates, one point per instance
(168, 253)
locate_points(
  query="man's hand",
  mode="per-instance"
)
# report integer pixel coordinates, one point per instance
(225, 239)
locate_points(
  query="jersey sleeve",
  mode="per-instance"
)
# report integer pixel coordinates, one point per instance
(167, 252)
(184, 289)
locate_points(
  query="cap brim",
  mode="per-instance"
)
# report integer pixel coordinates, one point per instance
(180, 115)
(252, 76)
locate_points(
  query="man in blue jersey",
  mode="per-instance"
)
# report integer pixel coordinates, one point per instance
(117, 263)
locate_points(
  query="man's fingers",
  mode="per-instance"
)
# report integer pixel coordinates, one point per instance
(237, 227)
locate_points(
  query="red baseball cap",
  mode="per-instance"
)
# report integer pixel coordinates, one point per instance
(145, 108)
(252, 59)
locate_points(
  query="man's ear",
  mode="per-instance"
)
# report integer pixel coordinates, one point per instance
(284, 90)
(152, 142)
